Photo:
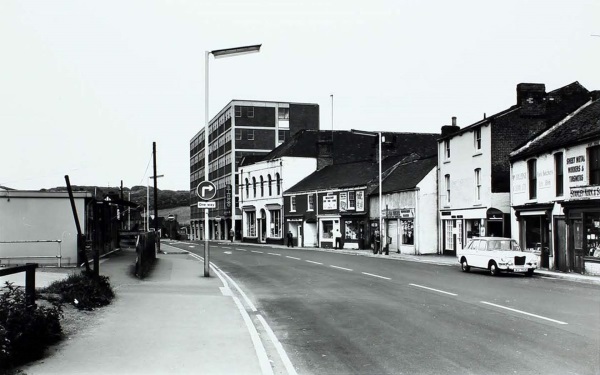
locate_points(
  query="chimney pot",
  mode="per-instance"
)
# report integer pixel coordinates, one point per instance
(453, 120)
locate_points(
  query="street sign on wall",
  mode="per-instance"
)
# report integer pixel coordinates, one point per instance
(206, 190)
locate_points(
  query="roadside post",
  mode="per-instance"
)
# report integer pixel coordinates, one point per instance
(206, 191)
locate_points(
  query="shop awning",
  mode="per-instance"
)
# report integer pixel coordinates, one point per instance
(248, 208)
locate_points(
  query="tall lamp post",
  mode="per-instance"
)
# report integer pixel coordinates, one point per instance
(380, 137)
(217, 53)
(148, 199)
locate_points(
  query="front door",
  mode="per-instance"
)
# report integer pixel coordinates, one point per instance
(577, 241)
(560, 245)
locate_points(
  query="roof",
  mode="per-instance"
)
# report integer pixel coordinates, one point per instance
(408, 173)
(337, 176)
(250, 159)
(582, 125)
(562, 101)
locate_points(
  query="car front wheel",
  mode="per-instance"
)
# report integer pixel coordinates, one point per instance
(494, 271)
(464, 266)
(529, 272)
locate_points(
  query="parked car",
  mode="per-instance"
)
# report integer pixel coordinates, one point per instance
(496, 254)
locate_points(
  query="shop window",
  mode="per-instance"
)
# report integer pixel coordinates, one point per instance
(532, 174)
(251, 223)
(352, 229)
(293, 203)
(449, 241)
(327, 229)
(275, 223)
(407, 231)
(559, 174)
(594, 165)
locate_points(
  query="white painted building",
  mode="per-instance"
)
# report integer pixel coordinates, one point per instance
(555, 193)
(261, 195)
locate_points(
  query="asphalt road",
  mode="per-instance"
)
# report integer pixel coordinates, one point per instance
(348, 314)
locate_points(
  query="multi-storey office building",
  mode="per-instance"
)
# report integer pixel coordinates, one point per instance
(241, 128)
(474, 167)
(555, 193)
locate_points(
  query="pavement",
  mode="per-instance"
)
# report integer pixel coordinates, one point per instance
(176, 320)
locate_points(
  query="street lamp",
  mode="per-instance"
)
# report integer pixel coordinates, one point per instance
(376, 134)
(148, 200)
(217, 53)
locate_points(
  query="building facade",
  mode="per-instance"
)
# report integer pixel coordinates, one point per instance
(261, 196)
(241, 128)
(474, 168)
(555, 193)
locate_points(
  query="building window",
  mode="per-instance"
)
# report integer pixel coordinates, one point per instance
(407, 233)
(254, 186)
(281, 136)
(250, 112)
(594, 165)
(351, 200)
(311, 202)
(559, 174)
(275, 223)
(293, 203)
(447, 148)
(270, 189)
(238, 134)
(477, 138)
(250, 135)
(447, 182)
(238, 111)
(478, 184)
(251, 223)
(283, 113)
(247, 189)
(532, 174)
(262, 186)
(352, 229)
(278, 182)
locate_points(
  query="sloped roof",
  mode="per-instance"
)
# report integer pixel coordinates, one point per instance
(337, 176)
(581, 126)
(408, 173)
(5, 188)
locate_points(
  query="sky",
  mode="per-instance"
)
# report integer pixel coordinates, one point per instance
(86, 87)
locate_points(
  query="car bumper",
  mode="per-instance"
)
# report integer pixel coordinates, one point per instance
(513, 268)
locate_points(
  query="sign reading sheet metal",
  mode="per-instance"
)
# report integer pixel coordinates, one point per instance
(330, 202)
(360, 200)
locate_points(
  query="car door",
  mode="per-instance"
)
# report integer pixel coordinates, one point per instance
(481, 257)
(469, 251)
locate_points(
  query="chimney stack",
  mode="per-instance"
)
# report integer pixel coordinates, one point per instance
(532, 99)
(450, 129)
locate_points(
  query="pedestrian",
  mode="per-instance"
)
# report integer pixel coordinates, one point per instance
(231, 234)
(290, 239)
(377, 242)
(338, 239)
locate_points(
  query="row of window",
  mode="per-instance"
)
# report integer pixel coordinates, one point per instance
(476, 143)
(477, 179)
(261, 185)
(274, 227)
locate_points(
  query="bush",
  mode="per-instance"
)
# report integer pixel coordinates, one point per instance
(25, 332)
(83, 290)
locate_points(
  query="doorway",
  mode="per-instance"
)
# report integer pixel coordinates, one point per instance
(560, 245)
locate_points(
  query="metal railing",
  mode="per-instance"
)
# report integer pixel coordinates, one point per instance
(58, 256)
(29, 270)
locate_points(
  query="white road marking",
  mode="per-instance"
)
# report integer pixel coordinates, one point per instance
(258, 252)
(241, 250)
(287, 256)
(274, 254)
(523, 312)
(381, 277)
(341, 268)
(192, 246)
(265, 364)
(227, 252)
(311, 261)
(244, 296)
(549, 278)
(282, 354)
(435, 290)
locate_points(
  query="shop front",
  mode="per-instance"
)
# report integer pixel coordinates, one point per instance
(327, 227)
(400, 228)
(534, 222)
(583, 236)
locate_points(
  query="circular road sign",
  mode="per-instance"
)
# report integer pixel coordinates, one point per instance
(206, 190)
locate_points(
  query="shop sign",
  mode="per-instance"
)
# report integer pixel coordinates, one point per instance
(292, 219)
(360, 200)
(399, 213)
(330, 202)
(585, 192)
(576, 169)
(227, 200)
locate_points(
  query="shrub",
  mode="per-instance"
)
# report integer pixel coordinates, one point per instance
(25, 332)
(83, 290)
